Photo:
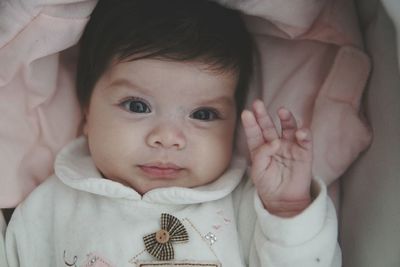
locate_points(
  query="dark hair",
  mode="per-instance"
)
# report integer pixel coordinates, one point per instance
(177, 30)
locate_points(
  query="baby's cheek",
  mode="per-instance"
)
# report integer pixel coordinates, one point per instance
(217, 157)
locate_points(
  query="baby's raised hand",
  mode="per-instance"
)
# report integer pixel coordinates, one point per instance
(281, 160)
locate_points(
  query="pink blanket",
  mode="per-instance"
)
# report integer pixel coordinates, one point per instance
(310, 60)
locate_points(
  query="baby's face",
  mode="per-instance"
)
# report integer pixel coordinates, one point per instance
(153, 123)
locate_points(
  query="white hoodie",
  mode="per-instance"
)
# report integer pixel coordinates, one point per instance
(77, 218)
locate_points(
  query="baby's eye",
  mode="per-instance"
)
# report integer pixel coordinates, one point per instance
(205, 114)
(136, 106)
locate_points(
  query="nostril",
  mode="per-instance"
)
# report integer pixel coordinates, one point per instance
(167, 137)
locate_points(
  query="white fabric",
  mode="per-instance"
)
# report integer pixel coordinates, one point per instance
(370, 210)
(78, 213)
(2, 234)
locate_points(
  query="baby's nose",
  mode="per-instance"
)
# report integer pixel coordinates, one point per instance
(166, 136)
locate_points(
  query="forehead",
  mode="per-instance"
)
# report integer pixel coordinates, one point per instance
(170, 77)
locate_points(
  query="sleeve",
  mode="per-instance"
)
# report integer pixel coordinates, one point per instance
(308, 239)
(15, 243)
(29, 237)
(3, 260)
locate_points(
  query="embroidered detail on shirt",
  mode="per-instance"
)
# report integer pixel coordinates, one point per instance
(69, 262)
(201, 236)
(134, 260)
(178, 264)
(211, 238)
(96, 261)
(223, 220)
(138, 258)
(159, 244)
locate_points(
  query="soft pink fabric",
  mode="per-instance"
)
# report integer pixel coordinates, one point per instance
(320, 74)
(309, 61)
(38, 110)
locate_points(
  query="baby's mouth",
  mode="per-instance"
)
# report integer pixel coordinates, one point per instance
(161, 170)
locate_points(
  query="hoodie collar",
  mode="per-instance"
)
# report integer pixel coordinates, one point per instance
(75, 168)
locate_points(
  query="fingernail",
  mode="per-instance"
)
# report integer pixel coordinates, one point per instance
(258, 104)
(284, 113)
(301, 135)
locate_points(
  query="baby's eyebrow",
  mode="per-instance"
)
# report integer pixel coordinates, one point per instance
(125, 83)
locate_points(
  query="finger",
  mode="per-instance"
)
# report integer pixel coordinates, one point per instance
(252, 131)
(288, 124)
(304, 139)
(264, 120)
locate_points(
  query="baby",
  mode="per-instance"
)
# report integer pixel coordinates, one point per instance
(153, 180)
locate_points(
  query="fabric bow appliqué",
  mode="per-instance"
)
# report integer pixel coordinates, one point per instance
(159, 244)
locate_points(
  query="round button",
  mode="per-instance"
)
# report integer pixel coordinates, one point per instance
(162, 236)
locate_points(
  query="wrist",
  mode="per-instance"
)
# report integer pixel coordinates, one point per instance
(286, 209)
